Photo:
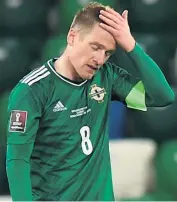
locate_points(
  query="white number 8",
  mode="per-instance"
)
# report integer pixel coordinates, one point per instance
(86, 144)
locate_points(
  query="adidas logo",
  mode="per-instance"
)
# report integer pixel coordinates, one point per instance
(59, 107)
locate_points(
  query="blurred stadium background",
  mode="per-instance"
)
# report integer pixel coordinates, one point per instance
(143, 145)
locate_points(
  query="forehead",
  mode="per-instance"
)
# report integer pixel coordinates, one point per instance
(101, 36)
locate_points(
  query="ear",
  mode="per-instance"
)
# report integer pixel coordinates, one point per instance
(71, 37)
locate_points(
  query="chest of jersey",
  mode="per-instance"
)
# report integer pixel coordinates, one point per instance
(69, 108)
(75, 116)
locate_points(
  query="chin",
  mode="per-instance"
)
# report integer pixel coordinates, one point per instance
(88, 77)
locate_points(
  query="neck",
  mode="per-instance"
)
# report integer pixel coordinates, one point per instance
(64, 67)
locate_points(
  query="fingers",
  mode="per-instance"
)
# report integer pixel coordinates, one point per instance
(112, 19)
(113, 22)
(104, 14)
(113, 12)
(108, 21)
(108, 28)
(125, 14)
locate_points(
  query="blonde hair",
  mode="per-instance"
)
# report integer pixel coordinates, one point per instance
(88, 15)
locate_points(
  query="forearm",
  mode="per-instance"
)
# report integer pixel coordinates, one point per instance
(153, 79)
(18, 173)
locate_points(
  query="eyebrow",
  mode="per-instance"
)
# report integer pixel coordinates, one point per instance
(102, 46)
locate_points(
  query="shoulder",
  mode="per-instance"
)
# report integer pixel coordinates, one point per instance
(36, 84)
(37, 77)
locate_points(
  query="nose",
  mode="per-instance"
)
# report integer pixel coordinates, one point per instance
(99, 58)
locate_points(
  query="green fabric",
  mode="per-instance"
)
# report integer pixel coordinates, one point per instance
(166, 167)
(22, 98)
(159, 93)
(65, 151)
(63, 115)
(160, 47)
(18, 166)
(151, 82)
(136, 97)
(18, 170)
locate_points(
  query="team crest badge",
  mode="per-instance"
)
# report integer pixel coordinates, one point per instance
(97, 93)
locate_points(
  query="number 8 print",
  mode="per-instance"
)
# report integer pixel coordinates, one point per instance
(86, 144)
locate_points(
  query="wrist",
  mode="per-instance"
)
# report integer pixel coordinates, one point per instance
(131, 45)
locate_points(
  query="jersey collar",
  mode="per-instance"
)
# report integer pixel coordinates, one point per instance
(51, 66)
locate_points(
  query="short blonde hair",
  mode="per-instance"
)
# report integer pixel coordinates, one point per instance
(88, 15)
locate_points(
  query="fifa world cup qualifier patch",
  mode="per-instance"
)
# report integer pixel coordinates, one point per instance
(18, 121)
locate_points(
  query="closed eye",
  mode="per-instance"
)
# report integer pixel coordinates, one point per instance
(95, 47)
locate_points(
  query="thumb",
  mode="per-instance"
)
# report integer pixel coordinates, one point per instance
(125, 14)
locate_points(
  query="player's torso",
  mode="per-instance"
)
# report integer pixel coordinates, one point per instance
(75, 114)
(73, 137)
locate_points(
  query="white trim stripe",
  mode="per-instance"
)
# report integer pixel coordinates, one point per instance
(74, 84)
(39, 78)
(32, 73)
(36, 75)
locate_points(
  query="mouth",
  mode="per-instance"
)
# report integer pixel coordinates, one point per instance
(93, 67)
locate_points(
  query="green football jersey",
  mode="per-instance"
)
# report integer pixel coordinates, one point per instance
(68, 124)
(57, 144)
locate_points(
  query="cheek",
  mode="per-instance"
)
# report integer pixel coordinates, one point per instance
(78, 59)
(82, 54)
(78, 51)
